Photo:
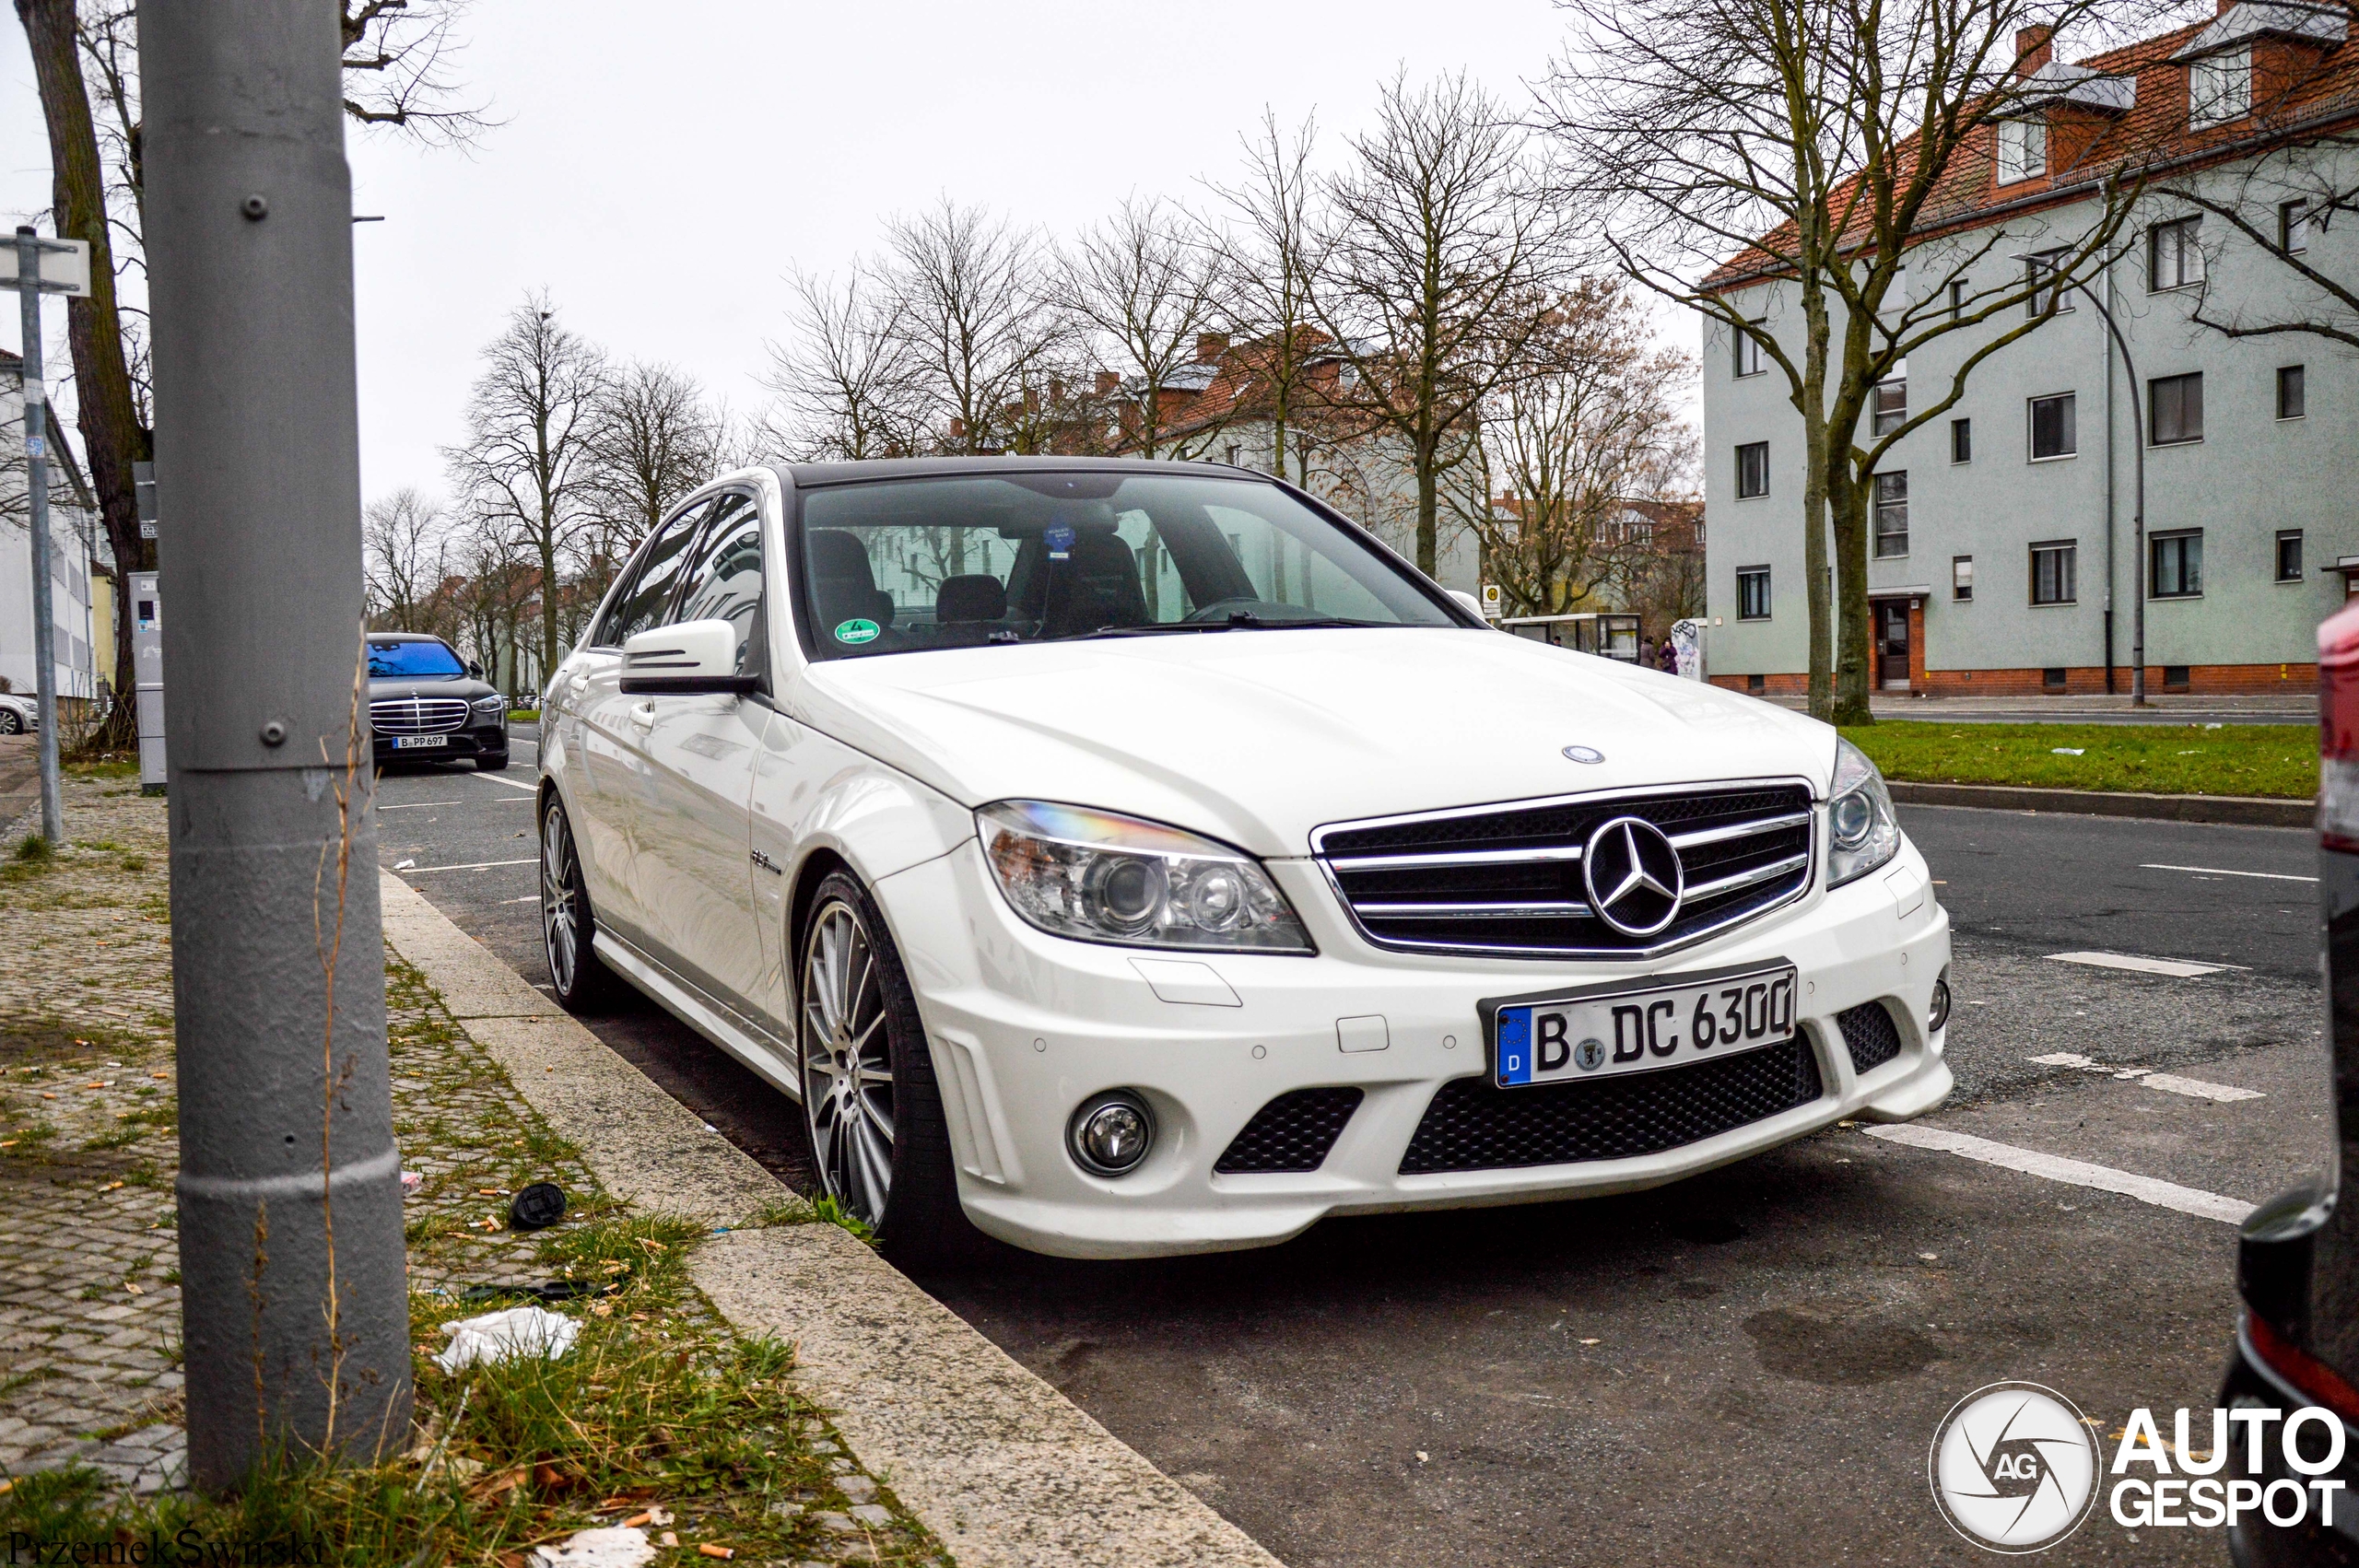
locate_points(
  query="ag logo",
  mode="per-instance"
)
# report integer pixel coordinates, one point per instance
(1589, 1054)
(2013, 1468)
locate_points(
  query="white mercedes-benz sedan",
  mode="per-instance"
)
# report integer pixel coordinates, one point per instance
(1127, 859)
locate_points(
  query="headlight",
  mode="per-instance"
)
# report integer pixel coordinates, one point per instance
(491, 706)
(1077, 872)
(1862, 832)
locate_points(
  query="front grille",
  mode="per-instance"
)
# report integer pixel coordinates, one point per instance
(1473, 1125)
(1507, 878)
(1869, 1034)
(417, 714)
(1292, 1132)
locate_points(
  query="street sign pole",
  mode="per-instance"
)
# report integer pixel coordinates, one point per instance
(295, 1310)
(26, 283)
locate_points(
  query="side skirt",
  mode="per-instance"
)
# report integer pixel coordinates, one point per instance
(763, 1057)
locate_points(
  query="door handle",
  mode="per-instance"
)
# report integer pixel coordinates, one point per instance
(644, 716)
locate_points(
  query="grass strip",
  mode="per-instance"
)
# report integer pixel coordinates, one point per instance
(2168, 759)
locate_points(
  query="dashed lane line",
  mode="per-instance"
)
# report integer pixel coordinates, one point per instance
(2075, 1173)
(2217, 870)
(469, 866)
(2169, 1082)
(2176, 968)
(512, 783)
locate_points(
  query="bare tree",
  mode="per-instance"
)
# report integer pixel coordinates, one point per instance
(401, 70)
(1590, 424)
(655, 437)
(972, 310)
(2282, 203)
(406, 552)
(526, 463)
(1146, 284)
(493, 587)
(1443, 239)
(1808, 145)
(1272, 258)
(844, 380)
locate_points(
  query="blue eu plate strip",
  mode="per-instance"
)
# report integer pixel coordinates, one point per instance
(1515, 1045)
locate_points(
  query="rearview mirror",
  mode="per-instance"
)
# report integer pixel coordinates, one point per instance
(692, 659)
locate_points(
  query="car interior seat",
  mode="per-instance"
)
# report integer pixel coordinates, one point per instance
(842, 585)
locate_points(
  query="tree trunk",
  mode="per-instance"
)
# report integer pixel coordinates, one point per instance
(113, 437)
(1854, 663)
(1816, 594)
(548, 598)
(1429, 509)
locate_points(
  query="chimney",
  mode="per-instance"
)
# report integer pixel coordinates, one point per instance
(2033, 46)
(958, 429)
(1211, 345)
(1107, 383)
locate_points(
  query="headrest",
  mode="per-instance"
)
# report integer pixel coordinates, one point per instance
(973, 598)
(835, 554)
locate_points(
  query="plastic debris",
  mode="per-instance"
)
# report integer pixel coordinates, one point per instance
(547, 1289)
(403, 865)
(411, 1182)
(537, 1208)
(2069, 751)
(501, 1335)
(610, 1546)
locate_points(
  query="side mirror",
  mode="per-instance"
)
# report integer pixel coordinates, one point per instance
(692, 659)
(474, 669)
(1468, 600)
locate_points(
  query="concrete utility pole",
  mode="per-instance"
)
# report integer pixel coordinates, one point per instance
(295, 1311)
(53, 807)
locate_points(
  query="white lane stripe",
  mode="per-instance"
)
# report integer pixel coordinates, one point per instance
(512, 783)
(2176, 968)
(469, 866)
(2077, 1173)
(2197, 1088)
(414, 805)
(2217, 870)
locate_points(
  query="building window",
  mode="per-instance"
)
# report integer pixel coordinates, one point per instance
(2290, 391)
(2289, 555)
(1957, 298)
(2054, 431)
(2175, 254)
(2053, 566)
(1748, 351)
(2293, 225)
(1892, 515)
(2046, 294)
(1753, 594)
(2023, 150)
(2052, 678)
(2175, 409)
(1752, 470)
(1892, 405)
(2176, 569)
(2175, 677)
(1756, 684)
(1961, 440)
(1962, 578)
(2219, 88)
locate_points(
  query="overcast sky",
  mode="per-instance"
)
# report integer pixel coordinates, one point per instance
(661, 168)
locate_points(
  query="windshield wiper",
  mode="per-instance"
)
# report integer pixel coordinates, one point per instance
(1238, 620)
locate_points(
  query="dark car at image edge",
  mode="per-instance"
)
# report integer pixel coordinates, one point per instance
(426, 704)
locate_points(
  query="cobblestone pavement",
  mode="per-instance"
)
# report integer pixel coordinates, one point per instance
(91, 1303)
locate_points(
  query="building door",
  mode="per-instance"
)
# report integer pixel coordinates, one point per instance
(1892, 644)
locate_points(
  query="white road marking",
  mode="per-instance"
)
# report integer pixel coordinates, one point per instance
(413, 805)
(2176, 968)
(512, 783)
(2076, 1173)
(469, 866)
(2169, 1082)
(2217, 870)
(528, 898)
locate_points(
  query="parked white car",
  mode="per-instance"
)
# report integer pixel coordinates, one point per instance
(1136, 857)
(19, 714)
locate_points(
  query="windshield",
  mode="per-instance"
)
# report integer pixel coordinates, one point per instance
(393, 661)
(907, 564)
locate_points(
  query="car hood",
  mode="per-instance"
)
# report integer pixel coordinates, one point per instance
(1259, 737)
(465, 686)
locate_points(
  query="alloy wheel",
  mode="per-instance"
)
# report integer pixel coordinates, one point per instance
(560, 907)
(847, 1062)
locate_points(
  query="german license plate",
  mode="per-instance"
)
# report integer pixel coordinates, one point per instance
(1637, 1028)
(418, 743)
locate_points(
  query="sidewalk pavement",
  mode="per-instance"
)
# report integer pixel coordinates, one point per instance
(2297, 707)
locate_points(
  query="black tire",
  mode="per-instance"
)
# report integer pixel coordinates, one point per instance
(496, 762)
(580, 979)
(9, 724)
(895, 1129)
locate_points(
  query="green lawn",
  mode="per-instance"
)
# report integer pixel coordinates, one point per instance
(2235, 759)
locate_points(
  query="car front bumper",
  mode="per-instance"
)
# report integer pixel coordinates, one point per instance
(1025, 1026)
(477, 740)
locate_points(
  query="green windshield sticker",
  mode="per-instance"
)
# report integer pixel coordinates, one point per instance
(856, 631)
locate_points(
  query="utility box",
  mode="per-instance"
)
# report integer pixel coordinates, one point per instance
(147, 678)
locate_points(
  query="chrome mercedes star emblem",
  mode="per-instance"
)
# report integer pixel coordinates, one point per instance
(1583, 753)
(1633, 876)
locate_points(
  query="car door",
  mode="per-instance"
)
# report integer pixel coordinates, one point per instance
(691, 869)
(615, 797)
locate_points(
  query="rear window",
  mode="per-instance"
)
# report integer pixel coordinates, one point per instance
(393, 661)
(903, 564)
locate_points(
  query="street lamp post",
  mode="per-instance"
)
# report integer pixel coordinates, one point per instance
(30, 285)
(2138, 504)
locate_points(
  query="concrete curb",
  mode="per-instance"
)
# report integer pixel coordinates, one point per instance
(1004, 1469)
(2248, 811)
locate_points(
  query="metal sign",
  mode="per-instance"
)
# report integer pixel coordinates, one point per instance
(143, 490)
(64, 267)
(1494, 601)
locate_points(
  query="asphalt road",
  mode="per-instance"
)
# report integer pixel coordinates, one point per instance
(1743, 1368)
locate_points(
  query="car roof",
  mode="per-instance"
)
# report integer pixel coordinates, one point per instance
(809, 475)
(405, 637)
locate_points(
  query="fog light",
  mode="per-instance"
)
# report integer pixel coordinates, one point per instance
(1940, 1013)
(1111, 1133)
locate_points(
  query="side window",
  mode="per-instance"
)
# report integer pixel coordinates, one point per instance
(640, 603)
(722, 578)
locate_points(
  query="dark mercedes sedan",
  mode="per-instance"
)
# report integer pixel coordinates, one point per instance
(426, 704)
